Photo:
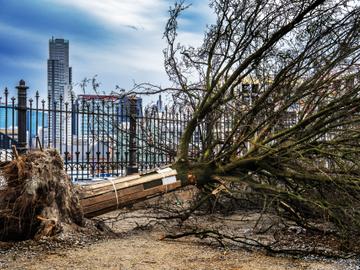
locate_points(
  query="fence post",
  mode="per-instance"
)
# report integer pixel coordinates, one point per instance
(132, 166)
(22, 116)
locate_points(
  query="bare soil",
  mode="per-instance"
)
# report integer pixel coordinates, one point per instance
(136, 241)
(137, 246)
(143, 251)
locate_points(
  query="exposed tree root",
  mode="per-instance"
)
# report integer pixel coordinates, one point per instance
(38, 198)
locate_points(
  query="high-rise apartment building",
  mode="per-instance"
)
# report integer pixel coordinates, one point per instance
(59, 82)
(59, 72)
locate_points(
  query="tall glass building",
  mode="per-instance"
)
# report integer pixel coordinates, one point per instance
(59, 81)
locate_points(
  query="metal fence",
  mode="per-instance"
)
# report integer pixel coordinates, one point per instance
(100, 137)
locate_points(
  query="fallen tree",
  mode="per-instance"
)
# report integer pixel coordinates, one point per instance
(284, 76)
(38, 198)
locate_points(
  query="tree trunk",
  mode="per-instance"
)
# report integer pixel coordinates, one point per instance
(38, 198)
(106, 196)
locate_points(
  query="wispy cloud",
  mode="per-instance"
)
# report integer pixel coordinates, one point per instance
(137, 14)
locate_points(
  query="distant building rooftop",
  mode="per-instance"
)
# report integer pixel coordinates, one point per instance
(99, 97)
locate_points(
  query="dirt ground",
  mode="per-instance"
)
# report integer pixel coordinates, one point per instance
(136, 241)
(137, 248)
(143, 251)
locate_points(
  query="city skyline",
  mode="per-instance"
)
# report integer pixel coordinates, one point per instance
(119, 42)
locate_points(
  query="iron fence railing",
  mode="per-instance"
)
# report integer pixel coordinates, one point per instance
(102, 136)
(97, 137)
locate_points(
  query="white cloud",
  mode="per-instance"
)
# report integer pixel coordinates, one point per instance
(122, 64)
(132, 55)
(142, 14)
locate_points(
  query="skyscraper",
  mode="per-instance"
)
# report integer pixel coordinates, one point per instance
(59, 72)
(59, 81)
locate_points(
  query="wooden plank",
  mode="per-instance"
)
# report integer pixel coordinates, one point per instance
(111, 195)
(103, 183)
(154, 183)
(146, 178)
(106, 196)
(120, 192)
(139, 196)
(106, 206)
(94, 190)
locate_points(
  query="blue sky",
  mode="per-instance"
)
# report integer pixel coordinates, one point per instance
(119, 40)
